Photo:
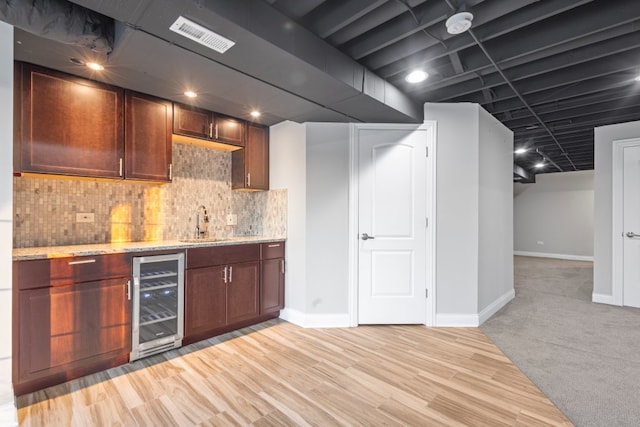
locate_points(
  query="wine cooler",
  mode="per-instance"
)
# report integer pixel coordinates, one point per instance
(158, 304)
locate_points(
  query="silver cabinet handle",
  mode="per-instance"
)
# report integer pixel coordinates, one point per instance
(249, 180)
(120, 167)
(365, 236)
(631, 234)
(274, 245)
(230, 274)
(282, 265)
(211, 130)
(129, 290)
(225, 275)
(216, 131)
(170, 171)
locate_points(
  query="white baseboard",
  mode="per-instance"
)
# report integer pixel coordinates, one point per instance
(556, 256)
(307, 320)
(457, 320)
(603, 299)
(493, 308)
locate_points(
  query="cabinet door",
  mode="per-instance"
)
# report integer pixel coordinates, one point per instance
(272, 297)
(229, 130)
(147, 137)
(243, 291)
(69, 125)
(61, 328)
(192, 121)
(250, 166)
(205, 300)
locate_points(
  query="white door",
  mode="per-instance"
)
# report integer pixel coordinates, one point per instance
(631, 227)
(392, 226)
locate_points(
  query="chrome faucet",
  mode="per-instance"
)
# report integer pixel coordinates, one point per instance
(201, 231)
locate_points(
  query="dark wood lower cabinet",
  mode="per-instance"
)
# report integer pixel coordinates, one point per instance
(243, 292)
(72, 330)
(205, 300)
(72, 316)
(272, 298)
(230, 295)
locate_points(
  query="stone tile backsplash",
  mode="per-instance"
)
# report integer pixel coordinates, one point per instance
(45, 208)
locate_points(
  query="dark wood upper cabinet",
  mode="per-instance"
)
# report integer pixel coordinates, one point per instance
(148, 130)
(229, 130)
(192, 121)
(250, 166)
(68, 125)
(203, 124)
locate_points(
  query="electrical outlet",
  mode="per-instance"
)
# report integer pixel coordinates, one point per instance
(85, 217)
(232, 219)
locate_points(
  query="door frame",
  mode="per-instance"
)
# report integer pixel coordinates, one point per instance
(429, 127)
(617, 217)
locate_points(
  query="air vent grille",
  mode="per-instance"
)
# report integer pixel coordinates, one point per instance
(202, 35)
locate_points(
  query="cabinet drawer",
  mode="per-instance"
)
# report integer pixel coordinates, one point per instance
(272, 250)
(44, 273)
(219, 255)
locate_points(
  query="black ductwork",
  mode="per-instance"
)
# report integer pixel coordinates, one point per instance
(62, 21)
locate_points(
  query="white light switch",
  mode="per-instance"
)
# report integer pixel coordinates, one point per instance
(85, 217)
(232, 219)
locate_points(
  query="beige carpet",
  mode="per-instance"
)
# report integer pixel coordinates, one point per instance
(584, 356)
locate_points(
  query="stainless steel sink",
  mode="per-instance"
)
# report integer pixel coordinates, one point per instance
(204, 240)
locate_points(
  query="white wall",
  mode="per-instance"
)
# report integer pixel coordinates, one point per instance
(7, 409)
(474, 205)
(312, 162)
(495, 210)
(456, 207)
(602, 186)
(287, 169)
(328, 218)
(556, 210)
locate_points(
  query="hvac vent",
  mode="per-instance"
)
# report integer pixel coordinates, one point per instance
(204, 36)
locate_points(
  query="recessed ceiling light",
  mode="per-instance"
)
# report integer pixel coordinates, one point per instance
(190, 94)
(255, 113)
(638, 78)
(539, 165)
(521, 150)
(95, 66)
(416, 76)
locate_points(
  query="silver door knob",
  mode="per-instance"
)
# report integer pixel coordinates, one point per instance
(631, 234)
(365, 236)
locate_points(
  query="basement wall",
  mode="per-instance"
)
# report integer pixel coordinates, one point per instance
(554, 216)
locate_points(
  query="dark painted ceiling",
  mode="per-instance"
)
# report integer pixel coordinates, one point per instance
(550, 70)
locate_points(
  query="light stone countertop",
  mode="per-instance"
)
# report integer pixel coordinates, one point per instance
(44, 252)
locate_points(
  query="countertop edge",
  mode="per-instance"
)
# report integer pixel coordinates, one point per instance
(25, 254)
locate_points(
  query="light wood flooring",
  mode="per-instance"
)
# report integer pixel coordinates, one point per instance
(278, 374)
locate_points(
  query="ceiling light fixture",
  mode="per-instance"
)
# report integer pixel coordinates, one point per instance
(255, 113)
(539, 165)
(521, 150)
(95, 66)
(190, 94)
(638, 78)
(459, 22)
(416, 76)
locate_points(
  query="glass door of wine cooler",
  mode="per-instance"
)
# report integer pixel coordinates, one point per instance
(158, 302)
